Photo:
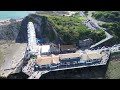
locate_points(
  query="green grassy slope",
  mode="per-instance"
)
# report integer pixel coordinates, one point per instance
(107, 16)
(1, 57)
(71, 29)
(113, 71)
(112, 19)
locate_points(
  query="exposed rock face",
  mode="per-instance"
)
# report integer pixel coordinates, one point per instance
(44, 29)
(22, 36)
(18, 30)
(9, 32)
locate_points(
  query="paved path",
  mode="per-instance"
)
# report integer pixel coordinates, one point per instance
(96, 23)
(108, 36)
(94, 20)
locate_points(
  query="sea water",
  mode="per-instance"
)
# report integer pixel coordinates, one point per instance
(14, 14)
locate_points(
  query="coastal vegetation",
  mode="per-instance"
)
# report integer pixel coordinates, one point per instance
(86, 12)
(112, 23)
(1, 57)
(113, 70)
(107, 16)
(115, 53)
(82, 18)
(71, 29)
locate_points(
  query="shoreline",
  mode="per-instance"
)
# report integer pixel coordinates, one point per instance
(8, 21)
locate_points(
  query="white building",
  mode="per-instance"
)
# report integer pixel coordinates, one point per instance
(115, 48)
(43, 49)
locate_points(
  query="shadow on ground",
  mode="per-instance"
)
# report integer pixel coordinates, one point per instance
(98, 72)
(18, 76)
(83, 73)
(22, 35)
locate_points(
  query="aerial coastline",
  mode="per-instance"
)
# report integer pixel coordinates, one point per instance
(8, 21)
(43, 42)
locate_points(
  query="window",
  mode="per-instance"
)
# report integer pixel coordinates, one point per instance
(75, 58)
(75, 62)
(43, 66)
(118, 48)
(66, 59)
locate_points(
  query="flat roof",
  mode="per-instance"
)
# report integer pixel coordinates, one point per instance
(88, 54)
(70, 55)
(91, 56)
(48, 59)
(66, 47)
(42, 60)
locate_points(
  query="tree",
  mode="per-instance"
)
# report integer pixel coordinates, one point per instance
(71, 29)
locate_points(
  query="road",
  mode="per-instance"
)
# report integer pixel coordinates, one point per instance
(96, 23)
(88, 24)
(16, 53)
(94, 20)
(37, 74)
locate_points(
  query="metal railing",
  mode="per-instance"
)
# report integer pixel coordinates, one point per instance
(66, 64)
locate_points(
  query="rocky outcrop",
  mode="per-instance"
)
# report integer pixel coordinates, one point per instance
(43, 27)
(18, 30)
(10, 31)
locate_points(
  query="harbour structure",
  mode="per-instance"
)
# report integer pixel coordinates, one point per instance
(66, 61)
(43, 61)
(71, 60)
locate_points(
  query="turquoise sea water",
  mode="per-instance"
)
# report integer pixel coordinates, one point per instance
(14, 14)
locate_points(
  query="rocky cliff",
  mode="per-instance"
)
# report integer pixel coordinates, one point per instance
(18, 30)
(44, 29)
(10, 31)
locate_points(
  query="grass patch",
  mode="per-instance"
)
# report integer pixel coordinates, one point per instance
(33, 57)
(1, 58)
(113, 71)
(70, 29)
(115, 53)
(107, 16)
(82, 18)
